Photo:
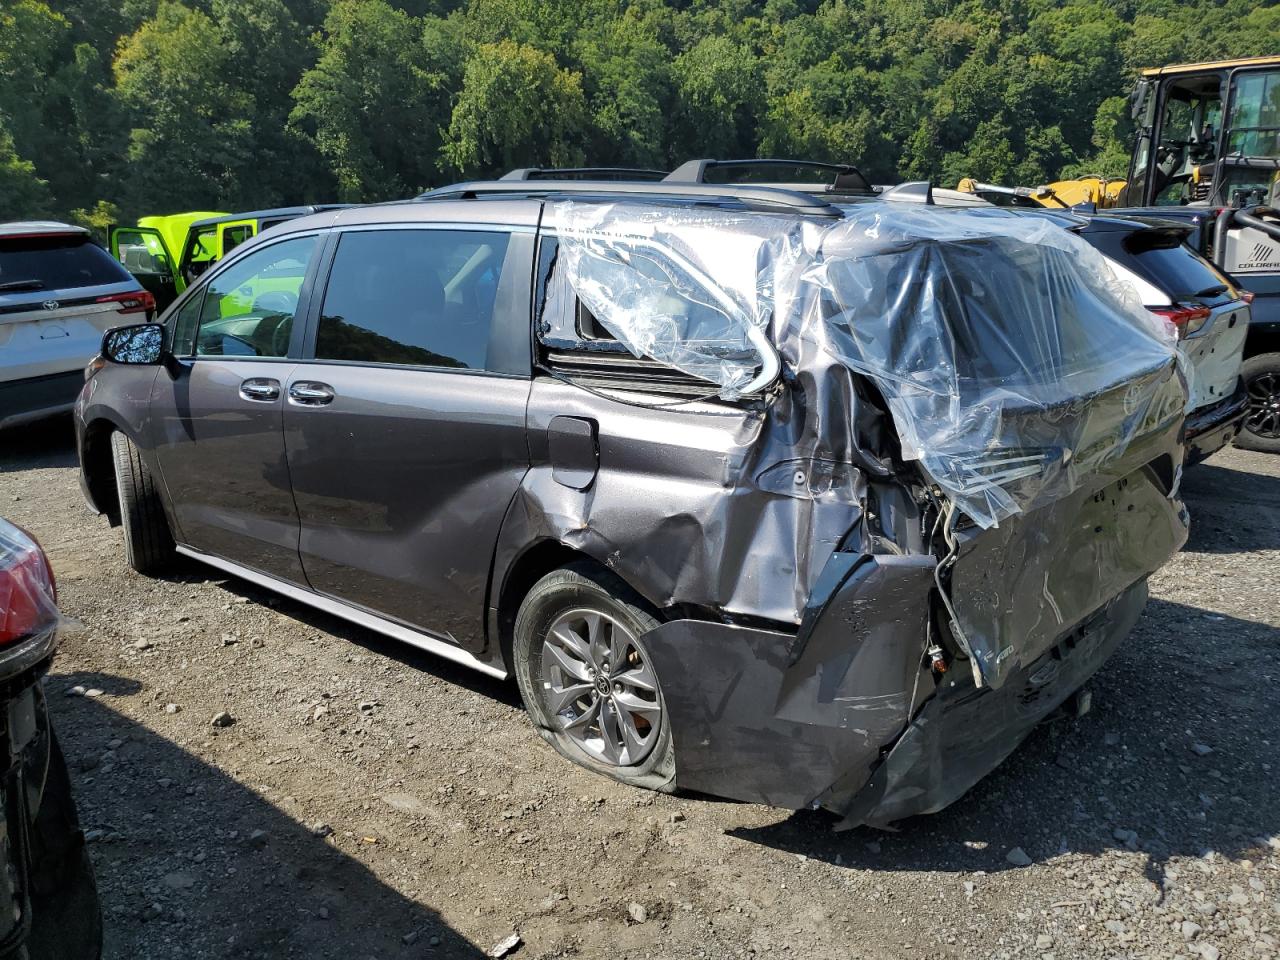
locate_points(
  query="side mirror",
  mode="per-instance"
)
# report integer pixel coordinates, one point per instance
(141, 343)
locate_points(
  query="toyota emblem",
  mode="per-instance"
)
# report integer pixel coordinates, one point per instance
(50, 304)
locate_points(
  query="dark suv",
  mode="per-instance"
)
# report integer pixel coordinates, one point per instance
(756, 494)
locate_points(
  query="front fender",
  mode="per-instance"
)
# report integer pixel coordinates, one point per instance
(116, 398)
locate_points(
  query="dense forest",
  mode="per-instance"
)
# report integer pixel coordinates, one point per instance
(114, 108)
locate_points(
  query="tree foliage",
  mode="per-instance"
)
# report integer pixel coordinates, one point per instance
(124, 107)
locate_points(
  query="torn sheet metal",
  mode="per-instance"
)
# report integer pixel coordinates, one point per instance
(699, 505)
(1012, 362)
(718, 681)
(961, 735)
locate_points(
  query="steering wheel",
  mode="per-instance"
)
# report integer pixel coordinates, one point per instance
(280, 337)
(253, 348)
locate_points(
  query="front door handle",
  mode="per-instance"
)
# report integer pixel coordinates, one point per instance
(310, 393)
(263, 389)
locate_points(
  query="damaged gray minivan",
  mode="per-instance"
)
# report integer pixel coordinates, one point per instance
(806, 503)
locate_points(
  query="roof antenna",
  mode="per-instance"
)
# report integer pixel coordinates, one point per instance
(916, 191)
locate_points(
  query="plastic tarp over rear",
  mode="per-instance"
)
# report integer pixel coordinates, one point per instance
(1011, 361)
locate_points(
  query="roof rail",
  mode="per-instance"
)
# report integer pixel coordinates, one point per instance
(759, 199)
(273, 213)
(624, 174)
(846, 178)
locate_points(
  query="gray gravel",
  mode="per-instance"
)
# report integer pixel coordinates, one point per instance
(259, 780)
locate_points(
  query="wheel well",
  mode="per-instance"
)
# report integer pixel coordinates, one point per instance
(99, 469)
(530, 567)
(1259, 342)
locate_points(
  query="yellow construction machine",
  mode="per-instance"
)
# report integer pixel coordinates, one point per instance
(1207, 154)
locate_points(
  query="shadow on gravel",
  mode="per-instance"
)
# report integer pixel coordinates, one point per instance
(184, 872)
(45, 443)
(1232, 511)
(1183, 682)
(191, 571)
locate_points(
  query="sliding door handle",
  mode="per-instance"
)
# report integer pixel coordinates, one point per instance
(262, 389)
(310, 393)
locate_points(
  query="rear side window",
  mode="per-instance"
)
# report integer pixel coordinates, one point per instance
(413, 297)
(1175, 268)
(1162, 259)
(56, 263)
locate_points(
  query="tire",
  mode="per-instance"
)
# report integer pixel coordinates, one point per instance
(1262, 382)
(66, 918)
(572, 599)
(148, 544)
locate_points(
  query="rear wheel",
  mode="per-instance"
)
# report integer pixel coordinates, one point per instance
(1261, 429)
(148, 544)
(587, 680)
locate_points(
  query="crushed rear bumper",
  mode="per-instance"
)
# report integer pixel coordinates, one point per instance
(857, 754)
(1212, 428)
(844, 713)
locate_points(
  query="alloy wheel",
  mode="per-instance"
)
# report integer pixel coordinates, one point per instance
(1264, 406)
(600, 687)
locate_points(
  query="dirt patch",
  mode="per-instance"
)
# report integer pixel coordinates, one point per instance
(361, 800)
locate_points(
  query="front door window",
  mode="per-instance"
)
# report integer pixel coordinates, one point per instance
(248, 310)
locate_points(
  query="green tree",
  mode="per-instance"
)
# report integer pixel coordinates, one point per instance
(516, 108)
(629, 92)
(23, 195)
(377, 97)
(267, 54)
(190, 138)
(719, 100)
(53, 96)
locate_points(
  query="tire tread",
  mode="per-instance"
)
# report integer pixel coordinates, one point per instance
(148, 543)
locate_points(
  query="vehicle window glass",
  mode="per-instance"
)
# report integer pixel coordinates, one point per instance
(249, 309)
(232, 237)
(199, 256)
(141, 252)
(1255, 115)
(418, 297)
(183, 323)
(56, 263)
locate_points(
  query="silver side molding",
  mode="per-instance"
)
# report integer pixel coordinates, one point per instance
(363, 618)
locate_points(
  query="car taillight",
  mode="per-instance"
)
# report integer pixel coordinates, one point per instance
(140, 301)
(28, 594)
(1187, 320)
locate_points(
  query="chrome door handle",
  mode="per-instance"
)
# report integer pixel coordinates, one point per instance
(263, 389)
(310, 393)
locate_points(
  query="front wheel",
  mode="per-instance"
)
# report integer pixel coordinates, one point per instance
(148, 544)
(587, 680)
(1261, 430)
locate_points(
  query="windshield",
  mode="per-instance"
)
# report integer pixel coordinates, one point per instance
(1254, 130)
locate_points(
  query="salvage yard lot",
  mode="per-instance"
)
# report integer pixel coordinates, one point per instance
(369, 801)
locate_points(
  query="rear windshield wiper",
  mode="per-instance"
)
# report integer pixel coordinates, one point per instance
(1215, 290)
(22, 285)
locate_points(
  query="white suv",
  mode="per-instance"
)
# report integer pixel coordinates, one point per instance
(59, 292)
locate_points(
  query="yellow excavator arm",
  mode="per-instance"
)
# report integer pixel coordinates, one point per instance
(1099, 191)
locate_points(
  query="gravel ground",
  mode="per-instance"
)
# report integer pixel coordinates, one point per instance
(367, 801)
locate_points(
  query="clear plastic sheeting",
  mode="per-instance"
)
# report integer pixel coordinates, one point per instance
(1012, 362)
(690, 287)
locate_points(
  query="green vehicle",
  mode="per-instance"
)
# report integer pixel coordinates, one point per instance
(167, 253)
